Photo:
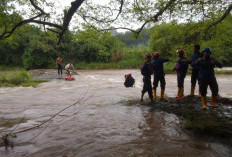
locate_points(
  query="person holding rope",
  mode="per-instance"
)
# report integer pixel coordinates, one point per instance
(195, 69)
(158, 73)
(181, 69)
(207, 77)
(146, 71)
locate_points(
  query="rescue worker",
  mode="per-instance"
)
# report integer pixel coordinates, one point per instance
(146, 71)
(207, 76)
(195, 69)
(68, 67)
(181, 69)
(129, 81)
(158, 72)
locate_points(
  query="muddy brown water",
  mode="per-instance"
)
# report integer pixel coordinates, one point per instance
(100, 124)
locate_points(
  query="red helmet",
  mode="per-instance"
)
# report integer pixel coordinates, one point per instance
(180, 51)
(156, 54)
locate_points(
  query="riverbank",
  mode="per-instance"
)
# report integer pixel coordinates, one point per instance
(16, 78)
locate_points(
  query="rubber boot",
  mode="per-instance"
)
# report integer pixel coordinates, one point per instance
(192, 91)
(199, 92)
(162, 94)
(204, 102)
(178, 93)
(213, 101)
(182, 92)
(154, 94)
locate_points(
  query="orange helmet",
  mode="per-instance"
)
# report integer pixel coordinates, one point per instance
(156, 54)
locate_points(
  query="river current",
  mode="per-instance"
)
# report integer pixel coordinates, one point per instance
(100, 124)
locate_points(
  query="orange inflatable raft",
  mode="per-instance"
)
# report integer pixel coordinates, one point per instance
(69, 78)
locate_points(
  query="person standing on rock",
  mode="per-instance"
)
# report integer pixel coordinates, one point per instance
(181, 69)
(207, 76)
(146, 71)
(158, 72)
(195, 69)
(59, 66)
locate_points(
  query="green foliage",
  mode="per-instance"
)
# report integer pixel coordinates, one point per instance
(130, 41)
(18, 78)
(168, 37)
(31, 48)
(15, 78)
(97, 47)
(9, 68)
(132, 58)
(38, 56)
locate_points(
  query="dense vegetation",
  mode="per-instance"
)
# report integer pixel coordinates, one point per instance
(31, 48)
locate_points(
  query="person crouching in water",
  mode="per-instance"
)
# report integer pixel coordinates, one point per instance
(68, 67)
(158, 72)
(146, 71)
(181, 69)
(207, 77)
(195, 69)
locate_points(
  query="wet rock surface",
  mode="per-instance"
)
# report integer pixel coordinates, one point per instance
(47, 74)
(213, 123)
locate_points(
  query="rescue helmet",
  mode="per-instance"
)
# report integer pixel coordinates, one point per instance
(180, 51)
(148, 55)
(156, 54)
(206, 49)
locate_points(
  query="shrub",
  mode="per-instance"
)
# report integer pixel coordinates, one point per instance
(15, 78)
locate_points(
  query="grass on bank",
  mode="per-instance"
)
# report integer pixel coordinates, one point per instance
(18, 78)
(10, 68)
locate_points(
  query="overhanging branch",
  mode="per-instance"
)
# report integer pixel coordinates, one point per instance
(68, 16)
(7, 34)
(227, 12)
(37, 7)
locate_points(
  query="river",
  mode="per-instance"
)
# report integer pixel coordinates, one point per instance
(100, 124)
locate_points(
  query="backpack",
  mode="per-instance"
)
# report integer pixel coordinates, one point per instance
(129, 81)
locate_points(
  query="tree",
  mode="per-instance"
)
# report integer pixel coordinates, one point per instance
(96, 46)
(119, 13)
(129, 39)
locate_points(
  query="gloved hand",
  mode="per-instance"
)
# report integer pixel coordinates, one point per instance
(214, 61)
(199, 60)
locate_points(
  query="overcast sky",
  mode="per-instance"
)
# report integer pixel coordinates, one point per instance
(60, 5)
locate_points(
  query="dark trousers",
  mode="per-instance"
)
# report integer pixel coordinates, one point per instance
(59, 69)
(147, 87)
(194, 77)
(156, 81)
(212, 83)
(180, 80)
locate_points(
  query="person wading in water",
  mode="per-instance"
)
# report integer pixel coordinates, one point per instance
(59, 66)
